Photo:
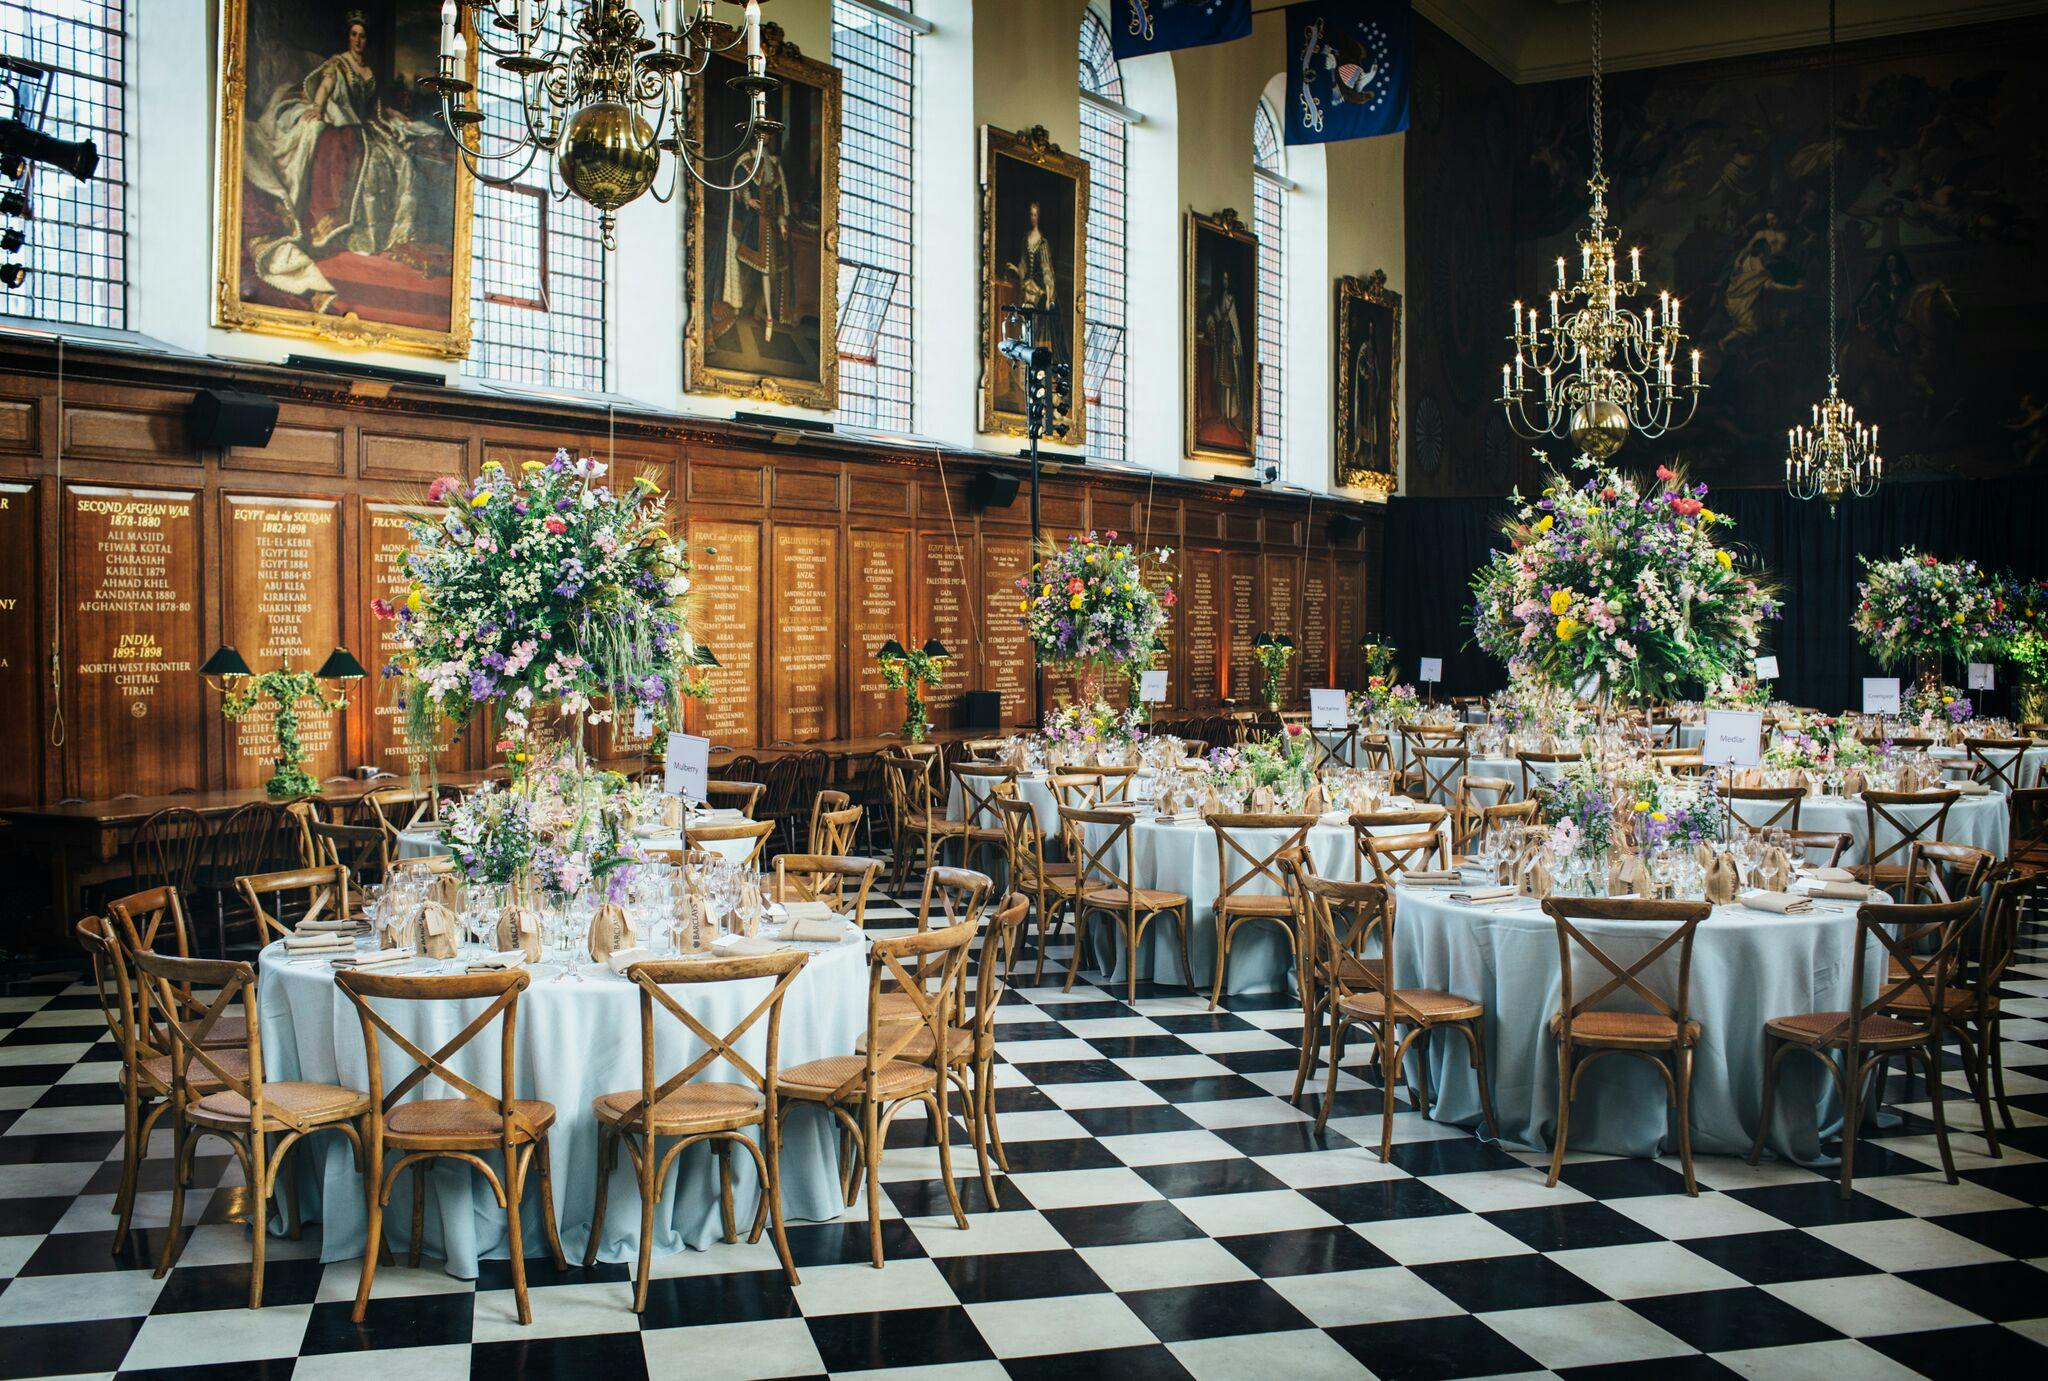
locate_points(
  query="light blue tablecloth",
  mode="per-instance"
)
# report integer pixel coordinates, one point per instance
(575, 1041)
(1983, 821)
(1747, 967)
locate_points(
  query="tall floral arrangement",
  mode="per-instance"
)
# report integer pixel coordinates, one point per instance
(537, 592)
(1626, 583)
(1913, 605)
(1085, 604)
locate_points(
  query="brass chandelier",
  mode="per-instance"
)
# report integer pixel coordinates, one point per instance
(606, 102)
(1836, 457)
(1606, 371)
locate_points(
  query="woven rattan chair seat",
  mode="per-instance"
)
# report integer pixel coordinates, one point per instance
(701, 1104)
(1627, 1028)
(1957, 1002)
(1149, 899)
(816, 1079)
(464, 1117)
(1830, 1028)
(1428, 1003)
(302, 1102)
(959, 1043)
(1252, 905)
(157, 1069)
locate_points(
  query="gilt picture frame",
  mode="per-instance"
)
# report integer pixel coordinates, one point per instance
(342, 205)
(1219, 335)
(1034, 251)
(1367, 383)
(764, 259)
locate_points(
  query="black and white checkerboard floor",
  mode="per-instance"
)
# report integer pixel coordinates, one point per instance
(1169, 1215)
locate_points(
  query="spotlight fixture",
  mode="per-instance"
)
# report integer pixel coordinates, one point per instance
(16, 204)
(10, 240)
(13, 275)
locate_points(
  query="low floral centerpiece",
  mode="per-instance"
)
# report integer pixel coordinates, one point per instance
(1383, 702)
(1087, 608)
(1940, 706)
(1094, 732)
(1278, 763)
(1608, 581)
(1739, 693)
(1913, 607)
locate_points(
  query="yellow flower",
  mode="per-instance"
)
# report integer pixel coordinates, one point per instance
(1046, 591)
(1545, 523)
(1727, 561)
(1560, 600)
(1567, 629)
(1658, 816)
(1948, 700)
(1023, 606)
(483, 497)
(529, 465)
(1708, 515)
(412, 599)
(1642, 807)
(1075, 602)
(494, 465)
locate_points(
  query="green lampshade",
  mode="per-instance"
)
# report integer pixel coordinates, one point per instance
(1263, 640)
(934, 648)
(225, 661)
(893, 650)
(1283, 640)
(341, 665)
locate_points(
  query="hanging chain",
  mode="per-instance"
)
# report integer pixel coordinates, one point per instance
(1599, 110)
(1834, 356)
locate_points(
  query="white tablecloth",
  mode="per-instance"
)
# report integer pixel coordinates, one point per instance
(1747, 967)
(575, 1041)
(420, 843)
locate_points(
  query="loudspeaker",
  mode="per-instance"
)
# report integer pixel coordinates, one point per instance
(220, 418)
(992, 489)
(982, 709)
(1345, 526)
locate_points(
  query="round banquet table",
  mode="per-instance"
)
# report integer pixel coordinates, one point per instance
(422, 843)
(1747, 967)
(1180, 856)
(1032, 787)
(575, 1041)
(2032, 760)
(1980, 820)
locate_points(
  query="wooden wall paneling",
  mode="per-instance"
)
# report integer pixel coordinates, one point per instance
(132, 628)
(1241, 524)
(878, 495)
(808, 486)
(22, 408)
(105, 422)
(1162, 578)
(1204, 641)
(1006, 657)
(1243, 609)
(728, 588)
(1114, 511)
(413, 450)
(805, 647)
(1281, 590)
(877, 609)
(378, 724)
(306, 441)
(21, 727)
(281, 598)
(947, 608)
(710, 480)
(1347, 620)
(1318, 663)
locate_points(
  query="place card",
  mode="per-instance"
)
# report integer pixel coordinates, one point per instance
(1981, 677)
(1734, 738)
(1880, 695)
(1152, 687)
(1767, 668)
(1432, 670)
(687, 768)
(1328, 709)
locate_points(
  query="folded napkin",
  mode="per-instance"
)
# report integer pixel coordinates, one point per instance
(494, 961)
(1840, 891)
(1333, 817)
(1833, 875)
(331, 926)
(1777, 903)
(745, 945)
(302, 943)
(807, 910)
(622, 959)
(377, 959)
(1969, 788)
(718, 815)
(829, 931)
(1483, 894)
(1432, 875)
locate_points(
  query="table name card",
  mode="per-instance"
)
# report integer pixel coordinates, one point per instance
(282, 577)
(1152, 687)
(1328, 708)
(1880, 695)
(1732, 738)
(1767, 668)
(805, 690)
(727, 586)
(686, 766)
(878, 609)
(1432, 670)
(1981, 676)
(131, 647)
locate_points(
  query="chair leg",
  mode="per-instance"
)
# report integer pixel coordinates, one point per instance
(419, 1214)
(547, 1205)
(1383, 1046)
(607, 1157)
(977, 1125)
(938, 1106)
(1187, 968)
(1476, 1039)
(1930, 1055)
(1564, 1112)
(1222, 961)
(515, 1190)
(1683, 1092)
(1080, 943)
(1774, 1051)
(1330, 1086)
(871, 1145)
(171, 1230)
(995, 1127)
(641, 1265)
(1852, 1120)
(773, 1189)
(131, 1164)
(1133, 933)
(1311, 1043)
(722, 1152)
(1977, 1069)
(289, 1190)
(1994, 1041)
(373, 1236)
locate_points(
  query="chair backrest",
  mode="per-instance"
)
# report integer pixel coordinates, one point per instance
(1911, 743)
(826, 878)
(256, 838)
(1332, 747)
(190, 1023)
(1440, 768)
(114, 984)
(1388, 854)
(1997, 762)
(165, 849)
(1433, 735)
(979, 783)
(998, 949)
(365, 850)
(2029, 831)
(744, 797)
(1998, 936)
(983, 749)
(926, 965)
(1082, 790)
(1540, 769)
(502, 988)
(1777, 807)
(910, 786)
(1806, 841)
(143, 915)
(1350, 920)
(395, 808)
(1919, 945)
(1946, 872)
(1242, 864)
(1108, 862)
(783, 780)
(1375, 752)
(1116, 782)
(834, 819)
(654, 976)
(326, 895)
(1397, 823)
(1493, 816)
(698, 836)
(1682, 919)
(1896, 819)
(1023, 844)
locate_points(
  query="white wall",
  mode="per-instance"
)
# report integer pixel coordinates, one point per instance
(1002, 62)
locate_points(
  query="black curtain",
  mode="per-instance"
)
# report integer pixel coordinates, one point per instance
(1433, 546)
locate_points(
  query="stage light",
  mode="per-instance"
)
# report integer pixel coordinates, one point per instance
(13, 275)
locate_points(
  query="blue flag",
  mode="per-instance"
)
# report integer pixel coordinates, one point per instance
(1347, 69)
(1137, 27)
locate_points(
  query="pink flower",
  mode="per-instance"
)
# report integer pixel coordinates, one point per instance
(1666, 473)
(382, 609)
(1292, 729)
(554, 524)
(438, 490)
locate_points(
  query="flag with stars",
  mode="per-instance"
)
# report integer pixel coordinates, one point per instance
(1137, 27)
(1347, 70)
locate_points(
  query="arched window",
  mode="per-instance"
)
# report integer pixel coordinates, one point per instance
(76, 243)
(537, 267)
(876, 59)
(1269, 223)
(1102, 144)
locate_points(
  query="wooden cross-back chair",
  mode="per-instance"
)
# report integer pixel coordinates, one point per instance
(229, 1098)
(1375, 752)
(865, 1091)
(828, 878)
(280, 901)
(1475, 794)
(1106, 887)
(155, 920)
(1050, 887)
(1241, 866)
(396, 808)
(1921, 943)
(981, 832)
(835, 819)
(1415, 835)
(1898, 814)
(756, 831)
(1581, 1024)
(1434, 771)
(1486, 818)
(744, 797)
(2028, 850)
(1998, 762)
(1082, 790)
(918, 825)
(1541, 769)
(1938, 870)
(1775, 807)
(365, 850)
(686, 1108)
(465, 1128)
(1348, 928)
(1909, 743)
(950, 896)
(1116, 783)
(1332, 747)
(982, 749)
(166, 850)
(1831, 843)
(257, 838)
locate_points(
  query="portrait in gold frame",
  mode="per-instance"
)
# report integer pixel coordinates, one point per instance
(1220, 324)
(1367, 385)
(342, 207)
(1031, 262)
